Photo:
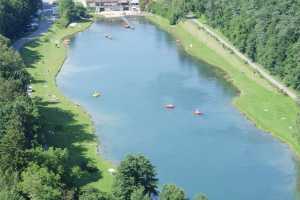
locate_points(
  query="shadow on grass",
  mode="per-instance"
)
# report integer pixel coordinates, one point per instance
(30, 56)
(60, 128)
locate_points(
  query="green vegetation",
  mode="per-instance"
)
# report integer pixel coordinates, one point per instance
(139, 194)
(70, 12)
(172, 192)
(263, 104)
(15, 15)
(267, 31)
(134, 173)
(47, 146)
(68, 125)
(200, 197)
(172, 10)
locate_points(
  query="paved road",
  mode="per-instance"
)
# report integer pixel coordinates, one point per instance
(253, 65)
(44, 26)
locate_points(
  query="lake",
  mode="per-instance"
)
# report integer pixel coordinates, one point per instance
(220, 153)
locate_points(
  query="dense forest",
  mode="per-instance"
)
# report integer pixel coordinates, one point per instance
(267, 31)
(15, 15)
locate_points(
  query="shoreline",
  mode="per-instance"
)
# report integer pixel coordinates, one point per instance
(266, 75)
(84, 117)
(230, 65)
(52, 59)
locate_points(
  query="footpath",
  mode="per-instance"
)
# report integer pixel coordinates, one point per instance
(253, 65)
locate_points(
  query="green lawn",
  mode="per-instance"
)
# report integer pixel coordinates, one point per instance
(70, 126)
(258, 100)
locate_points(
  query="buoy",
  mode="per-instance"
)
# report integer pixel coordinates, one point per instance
(169, 106)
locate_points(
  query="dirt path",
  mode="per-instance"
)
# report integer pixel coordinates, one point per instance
(253, 65)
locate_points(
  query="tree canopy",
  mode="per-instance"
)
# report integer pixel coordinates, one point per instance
(70, 11)
(15, 15)
(135, 172)
(267, 31)
(172, 192)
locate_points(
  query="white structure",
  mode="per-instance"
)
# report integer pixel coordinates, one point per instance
(112, 5)
(135, 5)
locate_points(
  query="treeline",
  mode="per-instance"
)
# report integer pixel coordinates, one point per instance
(15, 15)
(29, 167)
(267, 31)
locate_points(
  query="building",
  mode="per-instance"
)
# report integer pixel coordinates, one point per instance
(106, 5)
(112, 5)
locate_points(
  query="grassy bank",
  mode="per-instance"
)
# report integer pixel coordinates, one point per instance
(269, 109)
(68, 125)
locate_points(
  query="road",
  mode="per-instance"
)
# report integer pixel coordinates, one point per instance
(43, 27)
(253, 65)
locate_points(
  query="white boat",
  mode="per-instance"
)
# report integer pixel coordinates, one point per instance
(96, 94)
(170, 106)
(197, 112)
(108, 36)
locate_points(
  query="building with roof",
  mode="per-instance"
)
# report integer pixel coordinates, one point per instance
(112, 5)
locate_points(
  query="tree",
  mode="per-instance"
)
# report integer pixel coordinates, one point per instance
(12, 150)
(66, 11)
(15, 15)
(267, 31)
(93, 194)
(139, 194)
(12, 66)
(80, 11)
(8, 187)
(69, 11)
(172, 192)
(10, 90)
(40, 184)
(21, 115)
(54, 159)
(200, 197)
(135, 171)
(4, 41)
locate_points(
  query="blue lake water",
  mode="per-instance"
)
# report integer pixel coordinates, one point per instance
(221, 153)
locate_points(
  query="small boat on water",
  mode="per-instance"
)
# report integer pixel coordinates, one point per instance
(197, 112)
(96, 94)
(108, 36)
(169, 106)
(125, 25)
